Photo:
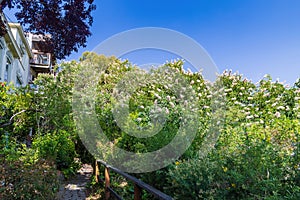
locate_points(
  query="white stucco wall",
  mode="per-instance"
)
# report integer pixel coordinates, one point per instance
(15, 48)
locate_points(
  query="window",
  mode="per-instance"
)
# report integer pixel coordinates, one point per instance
(19, 82)
(1, 57)
(7, 70)
(45, 59)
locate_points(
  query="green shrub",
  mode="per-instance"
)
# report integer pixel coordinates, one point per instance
(193, 179)
(239, 178)
(58, 147)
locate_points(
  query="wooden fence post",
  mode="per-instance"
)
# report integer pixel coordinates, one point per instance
(139, 185)
(107, 183)
(137, 192)
(96, 172)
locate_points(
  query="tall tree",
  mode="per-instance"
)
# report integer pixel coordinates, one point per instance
(67, 21)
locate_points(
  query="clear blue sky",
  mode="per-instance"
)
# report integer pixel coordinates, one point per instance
(254, 37)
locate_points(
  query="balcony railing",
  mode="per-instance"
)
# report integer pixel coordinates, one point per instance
(41, 59)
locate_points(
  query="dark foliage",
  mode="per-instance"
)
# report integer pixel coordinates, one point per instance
(7, 3)
(3, 30)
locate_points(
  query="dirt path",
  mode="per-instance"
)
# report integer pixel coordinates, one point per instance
(75, 188)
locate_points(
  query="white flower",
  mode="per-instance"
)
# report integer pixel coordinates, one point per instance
(157, 96)
(248, 124)
(185, 102)
(192, 82)
(261, 121)
(159, 109)
(249, 117)
(287, 108)
(167, 111)
(277, 114)
(250, 98)
(168, 98)
(280, 108)
(274, 104)
(172, 104)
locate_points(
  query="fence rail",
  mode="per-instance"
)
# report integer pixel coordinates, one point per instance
(139, 185)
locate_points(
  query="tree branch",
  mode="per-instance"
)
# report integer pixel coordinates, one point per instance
(11, 119)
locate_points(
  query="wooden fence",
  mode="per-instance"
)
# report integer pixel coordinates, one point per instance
(139, 185)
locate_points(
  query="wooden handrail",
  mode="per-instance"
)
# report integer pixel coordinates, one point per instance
(138, 184)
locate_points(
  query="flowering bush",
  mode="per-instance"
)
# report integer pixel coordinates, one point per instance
(253, 128)
(246, 144)
(257, 153)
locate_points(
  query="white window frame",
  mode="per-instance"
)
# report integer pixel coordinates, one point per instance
(8, 68)
(1, 57)
(19, 81)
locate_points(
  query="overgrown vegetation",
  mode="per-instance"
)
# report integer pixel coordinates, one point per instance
(255, 156)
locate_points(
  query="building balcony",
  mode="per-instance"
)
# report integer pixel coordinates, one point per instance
(40, 63)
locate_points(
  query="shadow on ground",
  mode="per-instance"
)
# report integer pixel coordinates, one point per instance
(75, 188)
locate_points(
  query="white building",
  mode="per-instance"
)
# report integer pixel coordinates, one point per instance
(15, 55)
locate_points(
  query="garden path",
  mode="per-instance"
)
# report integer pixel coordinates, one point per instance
(75, 188)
